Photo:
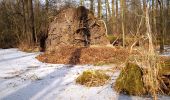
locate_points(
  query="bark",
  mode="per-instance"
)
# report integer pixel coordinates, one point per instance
(99, 9)
(108, 7)
(32, 21)
(106, 11)
(81, 2)
(92, 5)
(117, 9)
(161, 26)
(37, 16)
(113, 15)
(144, 5)
(113, 10)
(122, 17)
(47, 21)
(26, 20)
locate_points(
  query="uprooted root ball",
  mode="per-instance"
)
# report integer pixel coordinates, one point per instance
(93, 78)
(130, 80)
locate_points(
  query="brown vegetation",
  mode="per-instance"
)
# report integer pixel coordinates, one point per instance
(28, 48)
(165, 77)
(131, 80)
(93, 78)
(84, 55)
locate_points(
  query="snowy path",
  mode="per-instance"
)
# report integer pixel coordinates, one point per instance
(22, 77)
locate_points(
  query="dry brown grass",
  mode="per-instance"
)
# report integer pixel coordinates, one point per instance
(165, 76)
(150, 63)
(24, 46)
(85, 55)
(93, 78)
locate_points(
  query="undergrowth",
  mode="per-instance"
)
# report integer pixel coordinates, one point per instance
(28, 47)
(130, 80)
(93, 78)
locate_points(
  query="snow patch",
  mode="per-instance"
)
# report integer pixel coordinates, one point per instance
(22, 77)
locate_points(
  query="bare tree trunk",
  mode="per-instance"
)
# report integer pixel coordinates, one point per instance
(113, 10)
(166, 20)
(113, 15)
(91, 5)
(46, 22)
(32, 21)
(26, 20)
(81, 2)
(24, 15)
(37, 18)
(117, 11)
(161, 26)
(122, 16)
(153, 17)
(99, 9)
(106, 11)
(108, 7)
(144, 5)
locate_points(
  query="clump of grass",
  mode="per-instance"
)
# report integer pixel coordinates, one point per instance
(165, 68)
(93, 78)
(130, 80)
(111, 38)
(34, 77)
(101, 63)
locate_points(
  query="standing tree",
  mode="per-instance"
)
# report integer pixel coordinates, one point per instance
(81, 2)
(113, 11)
(99, 9)
(32, 20)
(117, 13)
(161, 26)
(108, 7)
(91, 5)
(106, 10)
(113, 16)
(122, 17)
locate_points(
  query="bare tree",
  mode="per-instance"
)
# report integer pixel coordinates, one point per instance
(99, 8)
(32, 20)
(122, 18)
(161, 26)
(92, 5)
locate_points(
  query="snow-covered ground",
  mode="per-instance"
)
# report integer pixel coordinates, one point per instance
(167, 51)
(22, 77)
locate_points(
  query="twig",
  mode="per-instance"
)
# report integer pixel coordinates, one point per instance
(115, 40)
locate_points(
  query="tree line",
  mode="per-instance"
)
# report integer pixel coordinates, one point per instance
(26, 20)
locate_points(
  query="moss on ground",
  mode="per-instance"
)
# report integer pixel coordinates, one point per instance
(102, 63)
(111, 38)
(130, 80)
(93, 78)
